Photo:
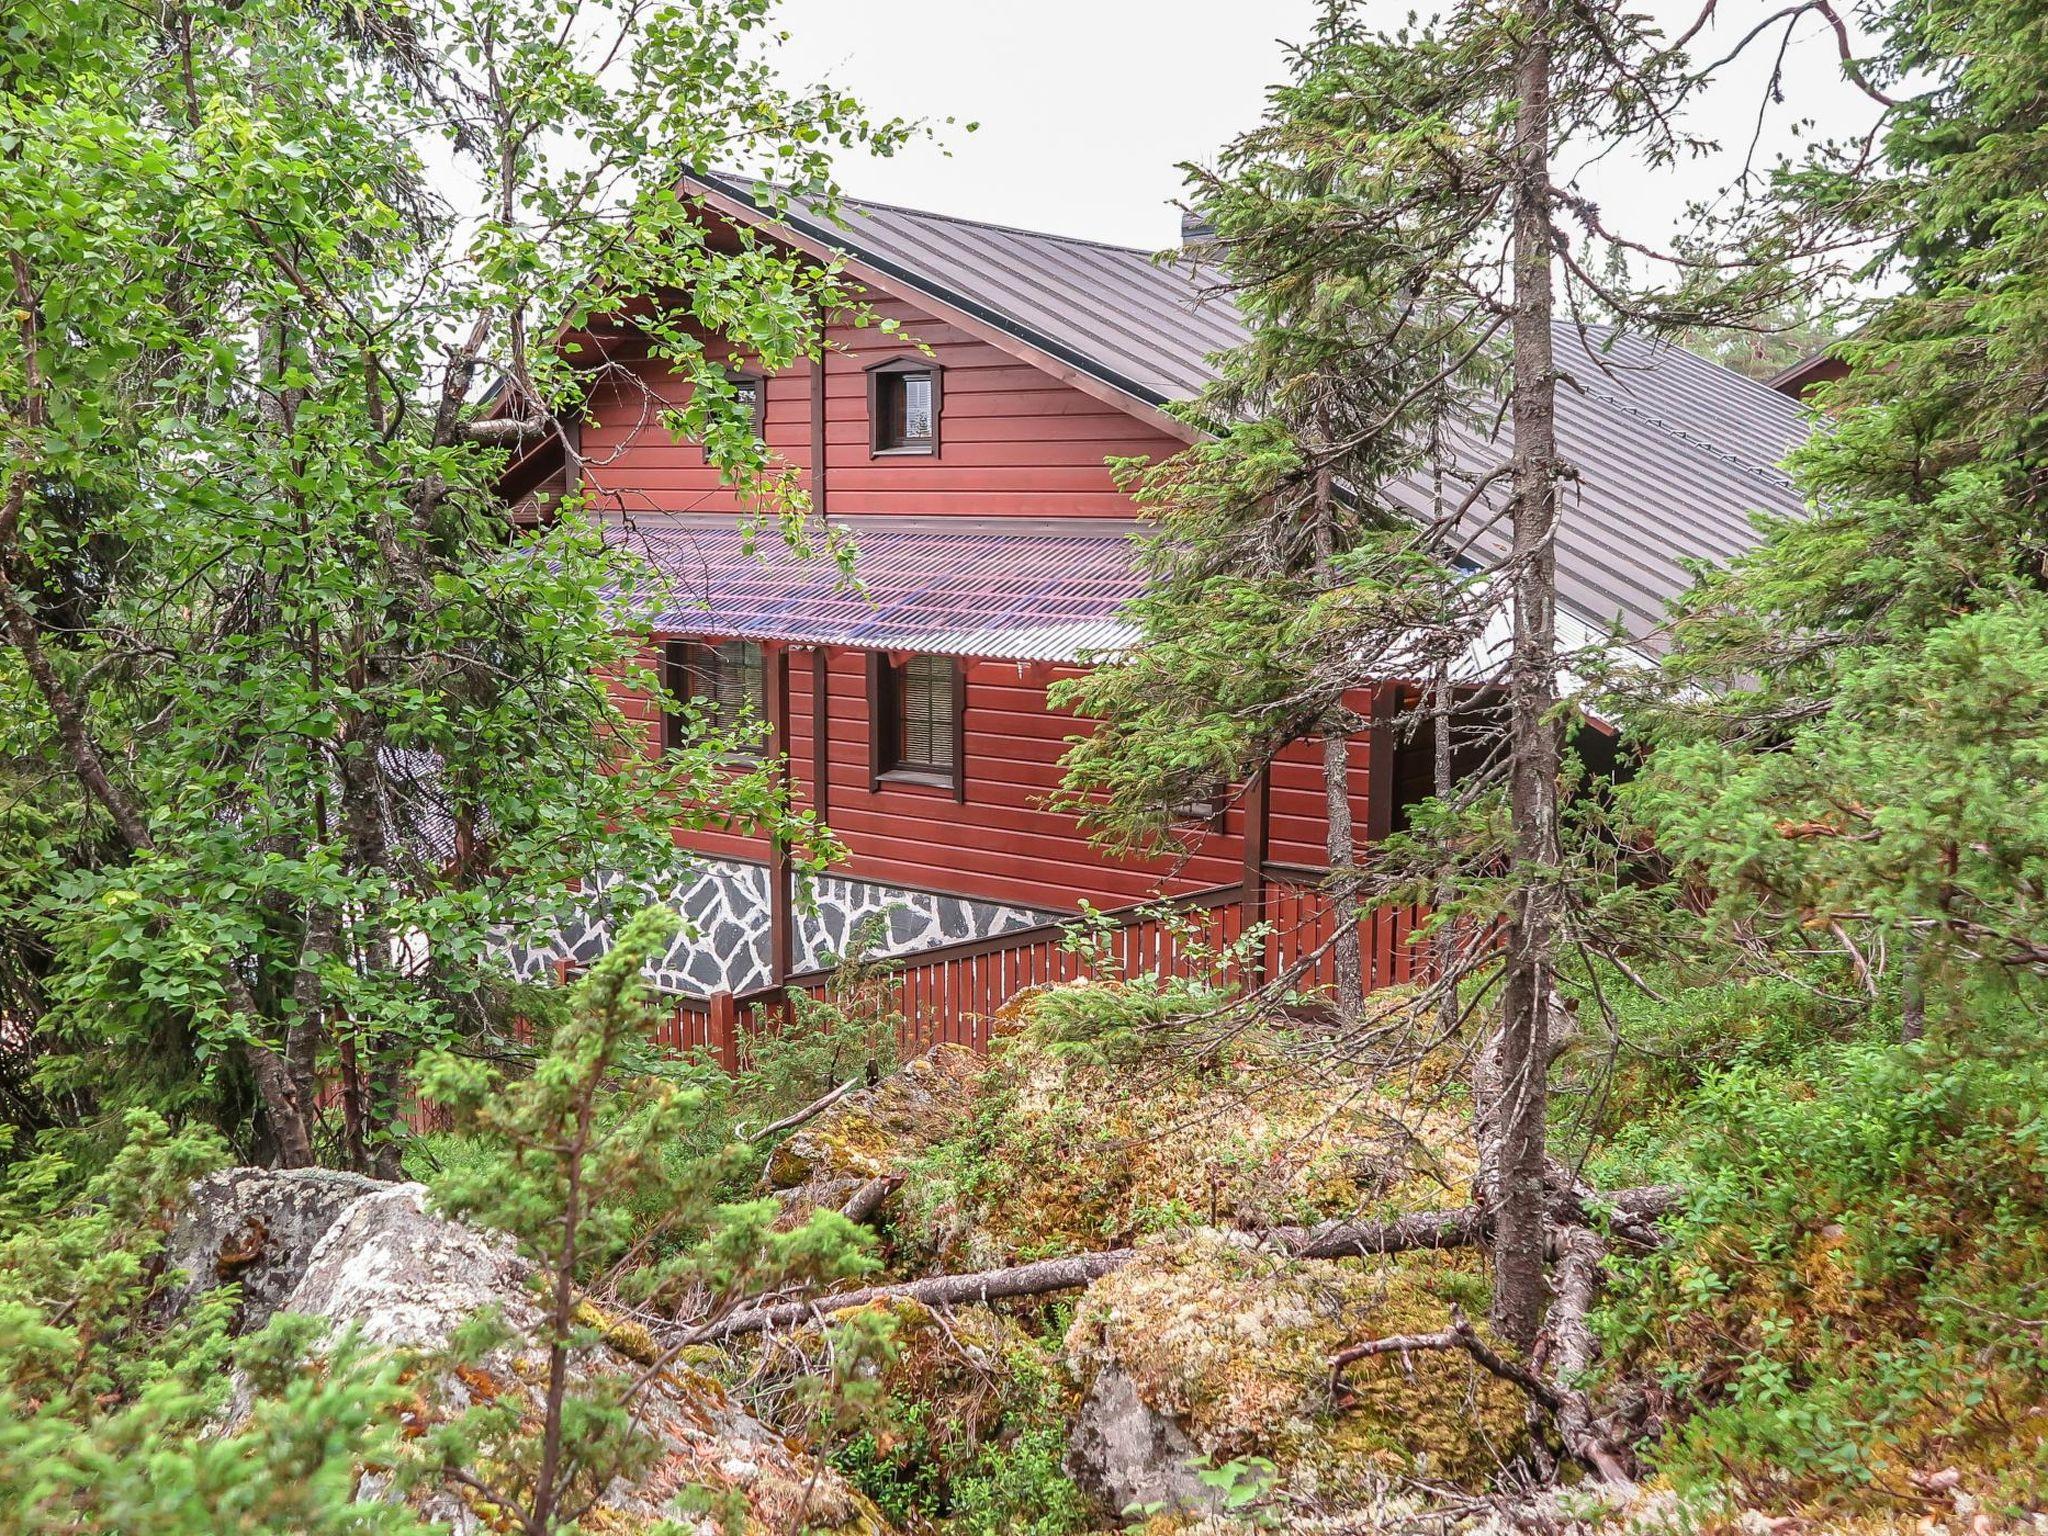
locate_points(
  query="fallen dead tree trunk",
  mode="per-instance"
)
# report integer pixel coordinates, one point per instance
(868, 1199)
(1039, 1279)
(1331, 1240)
(1635, 1211)
(1366, 1239)
(1574, 1352)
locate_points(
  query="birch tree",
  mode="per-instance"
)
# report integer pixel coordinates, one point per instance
(289, 284)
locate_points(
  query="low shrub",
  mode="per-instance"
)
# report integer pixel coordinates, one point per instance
(1858, 1289)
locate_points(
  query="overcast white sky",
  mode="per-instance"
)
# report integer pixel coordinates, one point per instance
(1086, 106)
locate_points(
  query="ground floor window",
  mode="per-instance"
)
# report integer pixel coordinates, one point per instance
(725, 684)
(918, 704)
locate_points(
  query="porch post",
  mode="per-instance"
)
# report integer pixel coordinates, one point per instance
(821, 733)
(818, 448)
(1379, 763)
(781, 891)
(1252, 896)
(724, 1023)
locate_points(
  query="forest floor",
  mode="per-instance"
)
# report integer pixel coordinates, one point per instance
(1842, 1324)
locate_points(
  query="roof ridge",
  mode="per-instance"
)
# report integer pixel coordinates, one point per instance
(1004, 229)
(848, 200)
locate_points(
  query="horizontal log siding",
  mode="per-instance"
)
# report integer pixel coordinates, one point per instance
(631, 463)
(1013, 441)
(1299, 826)
(1002, 843)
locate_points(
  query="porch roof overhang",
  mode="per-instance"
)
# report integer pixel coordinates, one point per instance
(1050, 595)
(932, 586)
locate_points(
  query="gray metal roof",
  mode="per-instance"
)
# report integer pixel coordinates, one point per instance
(1673, 453)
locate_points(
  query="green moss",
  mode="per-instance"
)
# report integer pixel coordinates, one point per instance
(1072, 1148)
(1234, 1345)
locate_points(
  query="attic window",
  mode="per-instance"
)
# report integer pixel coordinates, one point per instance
(903, 406)
(752, 398)
(751, 391)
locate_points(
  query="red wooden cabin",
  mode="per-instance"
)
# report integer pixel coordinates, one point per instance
(995, 549)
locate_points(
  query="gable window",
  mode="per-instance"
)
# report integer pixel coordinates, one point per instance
(903, 406)
(726, 685)
(918, 707)
(751, 390)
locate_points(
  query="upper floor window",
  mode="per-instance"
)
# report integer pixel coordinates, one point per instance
(903, 406)
(918, 707)
(751, 390)
(725, 683)
(753, 398)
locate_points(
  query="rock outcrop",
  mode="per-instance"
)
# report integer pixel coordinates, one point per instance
(378, 1258)
(1209, 1349)
(257, 1228)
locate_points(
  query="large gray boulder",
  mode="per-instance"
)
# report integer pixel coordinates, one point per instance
(406, 1276)
(1131, 1457)
(377, 1258)
(257, 1227)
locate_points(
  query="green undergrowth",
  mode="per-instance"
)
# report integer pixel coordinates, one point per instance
(126, 1407)
(962, 1425)
(827, 1044)
(1692, 1026)
(1857, 1293)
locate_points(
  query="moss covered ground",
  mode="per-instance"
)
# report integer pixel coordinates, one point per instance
(1848, 1332)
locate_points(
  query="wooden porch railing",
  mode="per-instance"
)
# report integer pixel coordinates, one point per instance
(951, 994)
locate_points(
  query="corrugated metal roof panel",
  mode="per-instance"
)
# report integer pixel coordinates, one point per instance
(1000, 597)
(1673, 453)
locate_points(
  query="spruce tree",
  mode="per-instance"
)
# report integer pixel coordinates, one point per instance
(1851, 749)
(1408, 259)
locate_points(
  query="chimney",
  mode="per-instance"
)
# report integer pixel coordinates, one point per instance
(1195, 228)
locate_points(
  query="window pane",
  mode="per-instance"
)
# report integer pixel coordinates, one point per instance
(735, 683)
(890, 392)
(917, 406)
(903, 410)
(926, 704)
(727, 684)
(677, 687)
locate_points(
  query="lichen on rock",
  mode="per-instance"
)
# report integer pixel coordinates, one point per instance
(257, 1228)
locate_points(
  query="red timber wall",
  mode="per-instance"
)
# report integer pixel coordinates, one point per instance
(1014, 443)
(1002, 843)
